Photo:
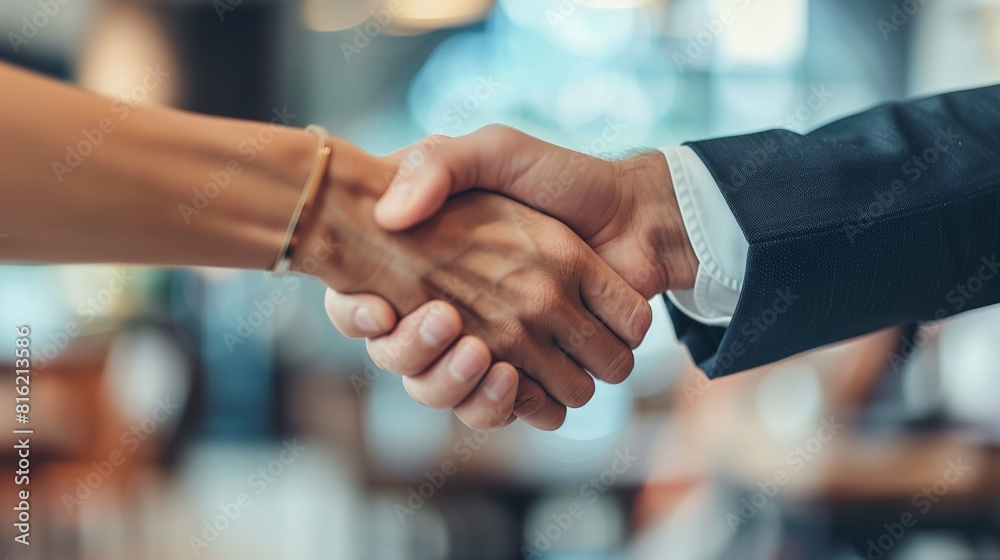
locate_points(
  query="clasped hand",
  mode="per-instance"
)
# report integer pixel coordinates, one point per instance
(503, 309)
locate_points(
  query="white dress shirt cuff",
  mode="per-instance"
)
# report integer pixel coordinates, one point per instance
(717, 240)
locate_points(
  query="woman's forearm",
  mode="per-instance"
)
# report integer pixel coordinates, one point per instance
(84, 178)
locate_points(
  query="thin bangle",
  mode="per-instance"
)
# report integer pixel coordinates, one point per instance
(306, 201)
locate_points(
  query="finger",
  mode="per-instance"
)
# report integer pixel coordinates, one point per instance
(559, 375)
(535, 406)
(491, 404)
(359, 315)
(450, 380)
(595, 348)
(483, 159)
(615, 303)
(410, 200)
(538, 356)
(418, 340)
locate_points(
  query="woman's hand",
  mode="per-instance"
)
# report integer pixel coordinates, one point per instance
(521, 282)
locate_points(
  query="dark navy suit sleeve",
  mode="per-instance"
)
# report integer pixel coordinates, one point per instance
(885, 217)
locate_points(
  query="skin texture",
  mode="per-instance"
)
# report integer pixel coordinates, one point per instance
(84, 178)
(625, 210)
(520, 282)
(83, 181)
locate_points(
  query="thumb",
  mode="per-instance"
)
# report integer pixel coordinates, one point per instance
(413, 197)
(432, 171)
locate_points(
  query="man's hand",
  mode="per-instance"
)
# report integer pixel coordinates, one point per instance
(626, 211)
(520, 282)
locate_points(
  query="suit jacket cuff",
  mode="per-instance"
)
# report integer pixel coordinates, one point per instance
(715, 236)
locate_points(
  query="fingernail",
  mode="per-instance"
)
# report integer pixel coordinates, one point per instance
(434, 331)
(364, 320)
(466, 363)
(499, 385)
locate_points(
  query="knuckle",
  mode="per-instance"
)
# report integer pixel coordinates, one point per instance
(580, 393)
(561, 247)
(498, 134)
(641, 316)
(426, 150)
(511, 336)
(620, 366)
(529, 402)
(543, 298)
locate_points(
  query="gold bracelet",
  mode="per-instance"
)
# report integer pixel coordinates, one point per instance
(306, 201)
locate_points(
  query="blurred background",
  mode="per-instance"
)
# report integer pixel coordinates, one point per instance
(189, 413)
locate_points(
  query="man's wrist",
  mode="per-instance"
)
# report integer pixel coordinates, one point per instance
(657, 218)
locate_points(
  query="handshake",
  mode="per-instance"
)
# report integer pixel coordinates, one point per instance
(510, 297)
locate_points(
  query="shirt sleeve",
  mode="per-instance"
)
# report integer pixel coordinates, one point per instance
(717, 240)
